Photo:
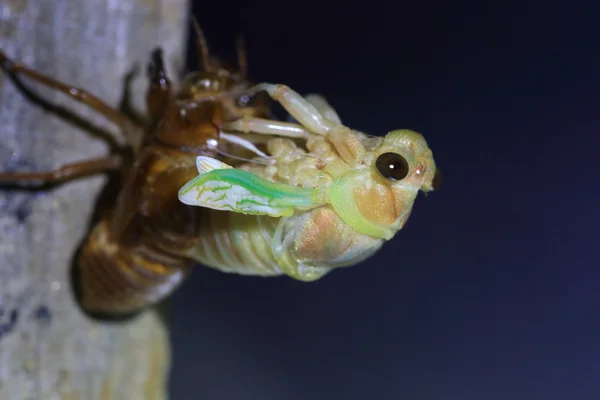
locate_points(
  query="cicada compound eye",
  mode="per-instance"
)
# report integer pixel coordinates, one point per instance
(392, 166)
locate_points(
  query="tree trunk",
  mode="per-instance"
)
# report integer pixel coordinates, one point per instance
(48, 348)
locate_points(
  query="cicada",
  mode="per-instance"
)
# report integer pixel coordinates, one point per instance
(325, 195)
(218, 180)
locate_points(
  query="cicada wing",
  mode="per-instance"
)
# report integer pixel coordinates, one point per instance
(222, 187)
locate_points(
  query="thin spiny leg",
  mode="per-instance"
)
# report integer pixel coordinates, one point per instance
(246, 144)
(298, 107)
(66, 172)
(79, 95)
(323, 107)
(304, 111)
(267, 127)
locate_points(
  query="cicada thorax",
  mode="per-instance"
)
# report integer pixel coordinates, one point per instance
(137, 255)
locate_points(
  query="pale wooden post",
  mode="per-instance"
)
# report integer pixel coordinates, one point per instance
(48, 348)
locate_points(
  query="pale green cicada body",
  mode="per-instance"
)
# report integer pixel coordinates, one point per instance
(324, 197)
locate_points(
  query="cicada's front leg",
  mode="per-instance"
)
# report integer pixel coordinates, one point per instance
(304, 110)
(287, 129)
(267, 127)
(298, 107)
(311, 120)
(323, 107)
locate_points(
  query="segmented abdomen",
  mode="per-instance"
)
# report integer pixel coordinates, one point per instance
(304, 246)
(236, 243)
(115, 279)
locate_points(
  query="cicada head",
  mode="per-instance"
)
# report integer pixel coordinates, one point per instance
(376, 192)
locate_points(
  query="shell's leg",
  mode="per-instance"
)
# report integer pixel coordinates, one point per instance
(121, 120)
(298, 107)
(246, 144)
(66, 172)
(267, 127)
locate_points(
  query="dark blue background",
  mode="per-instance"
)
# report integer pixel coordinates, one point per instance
(491, 289)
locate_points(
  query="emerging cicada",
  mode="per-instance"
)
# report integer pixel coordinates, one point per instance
(305, 209)
(316, 195)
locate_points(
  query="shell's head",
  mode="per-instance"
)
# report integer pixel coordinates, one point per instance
(219, 80)
(375, 193)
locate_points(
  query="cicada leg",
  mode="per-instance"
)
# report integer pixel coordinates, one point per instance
(66, 172)
(323, 107)
(132, 133)
(246, 144)
(298, 107)
(267, 127)
(307, 113)
(287, 129)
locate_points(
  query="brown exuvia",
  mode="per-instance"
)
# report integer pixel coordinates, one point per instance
(132, 257)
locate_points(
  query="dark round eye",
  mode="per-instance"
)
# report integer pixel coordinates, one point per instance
(437, 180)
(392, 166)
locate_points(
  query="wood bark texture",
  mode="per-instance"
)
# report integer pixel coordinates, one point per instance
(49, 349)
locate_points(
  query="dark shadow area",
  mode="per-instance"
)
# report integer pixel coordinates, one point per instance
(490, 290)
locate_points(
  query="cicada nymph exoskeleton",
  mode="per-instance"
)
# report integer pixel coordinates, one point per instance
(134, 256)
